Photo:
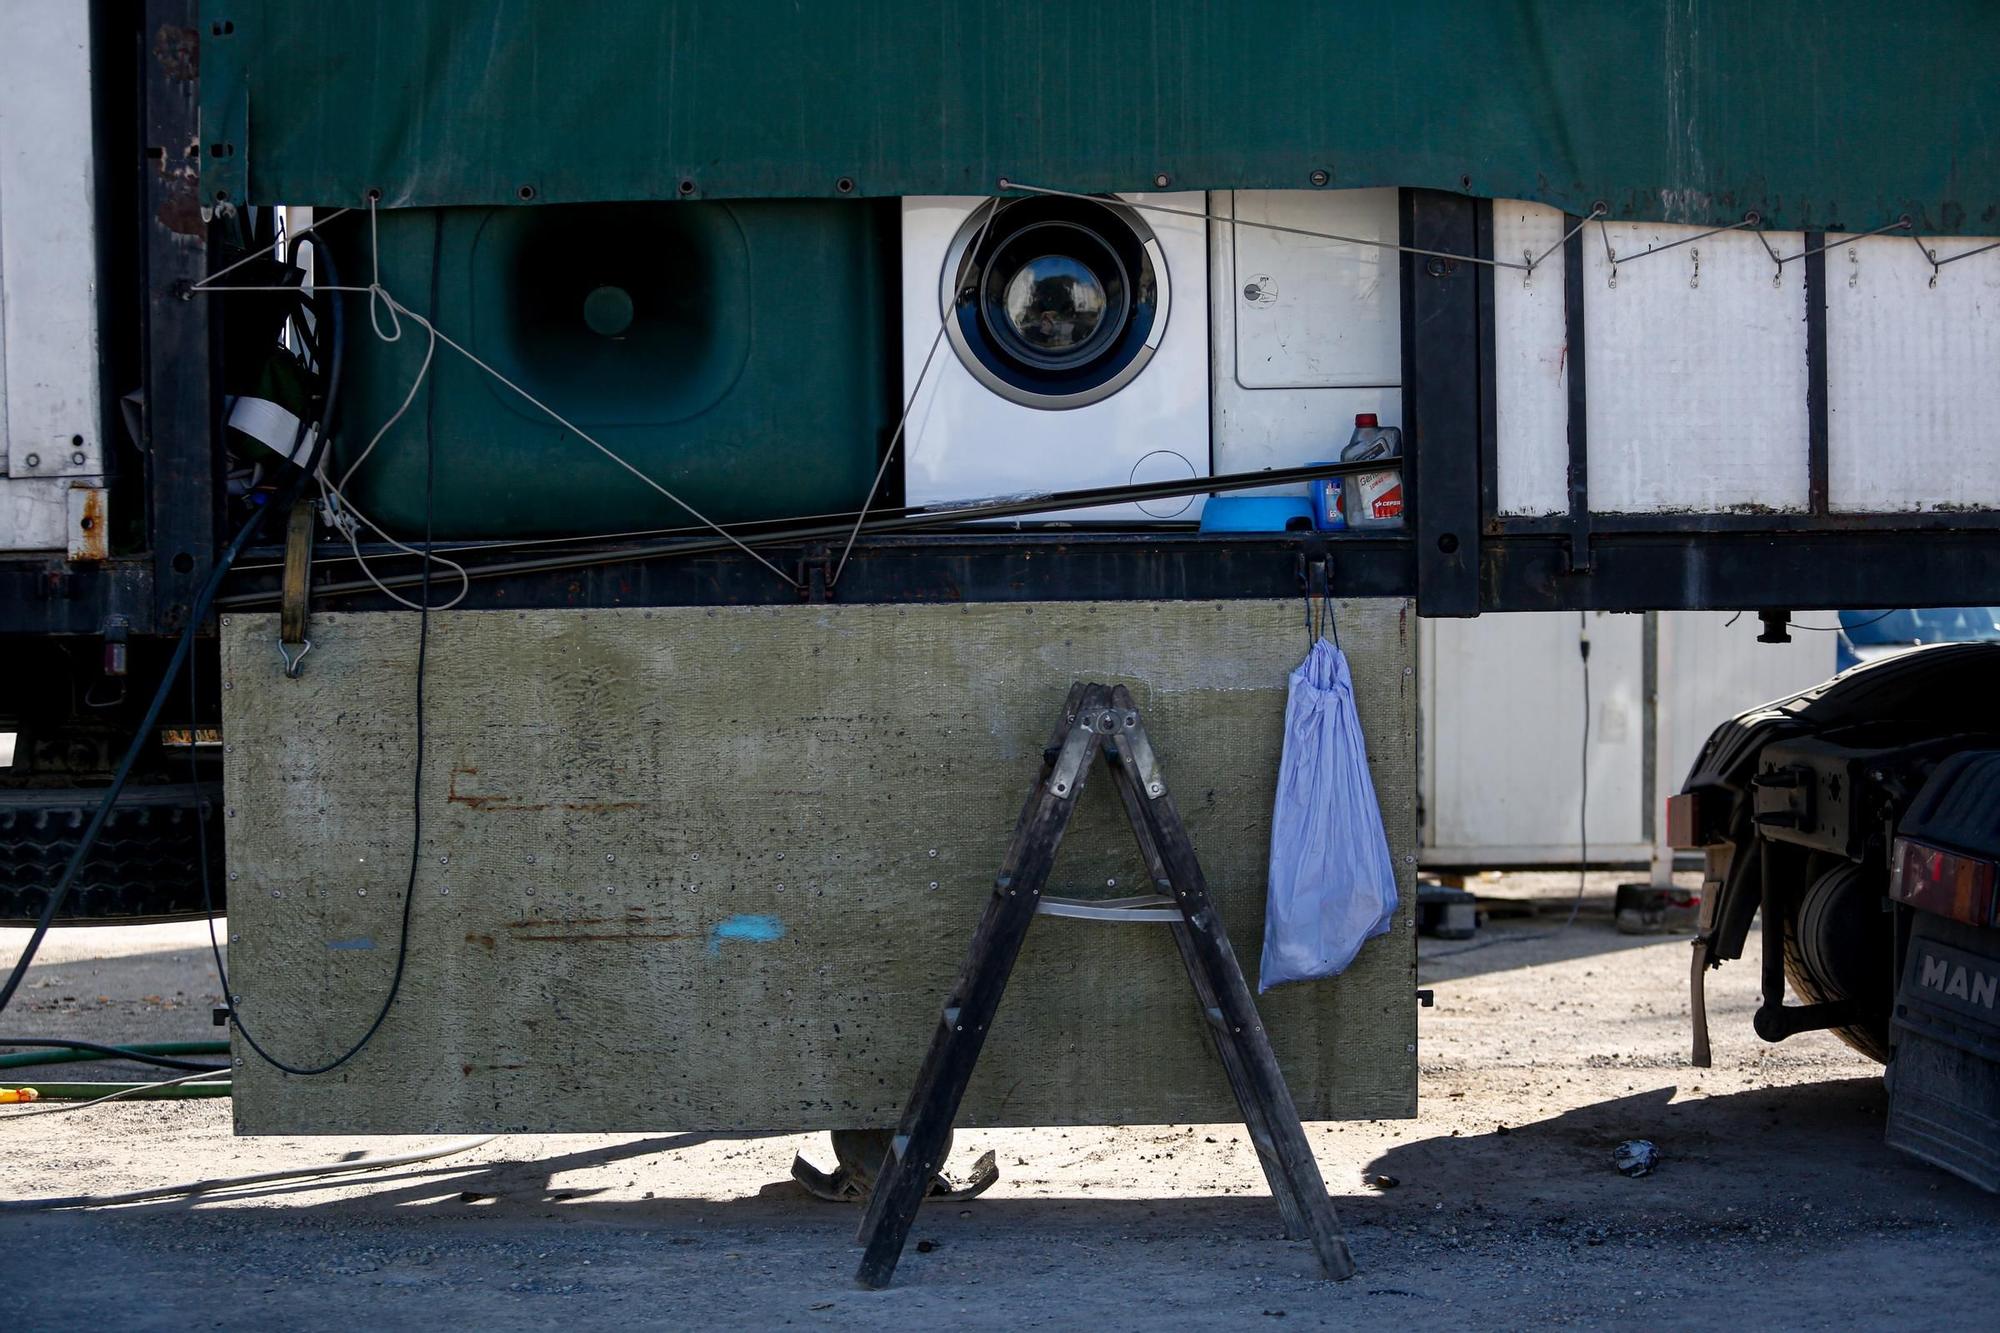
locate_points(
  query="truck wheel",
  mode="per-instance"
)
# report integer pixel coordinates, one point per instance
(1836, 948)
(144, 867)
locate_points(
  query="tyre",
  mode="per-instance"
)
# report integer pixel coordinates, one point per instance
(1836, 948)
(145, 865)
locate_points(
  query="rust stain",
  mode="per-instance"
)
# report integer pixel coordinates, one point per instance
(180, 201)
(483, 941)
(613, 938)
(91, 542)
(178, 51)
(536, 923)
(509, 805)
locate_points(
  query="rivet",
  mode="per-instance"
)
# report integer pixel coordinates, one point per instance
(781, 856)
(362, 893)
(610, 858)
(232, 876)
(77, 457)
(236, 999)
(1163, 180)
(34, 460)
(1409, 858)
(933, 884)
(1409, 671)
(1411, 1048)
(229, 749)
(444, 858)
(239, 1062)
(933, 853)
(1319, 177)
(230, 811)
(531, 858)
(228, 684)
(444, 890)
(531, 890)
(696, 856)
(781, 888)
(236, 939)
(1111, 883)
(277, 893)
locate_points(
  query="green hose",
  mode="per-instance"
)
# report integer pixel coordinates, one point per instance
(138, 1092)
(22, 1059)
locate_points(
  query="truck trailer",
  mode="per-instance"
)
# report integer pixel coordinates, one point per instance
(568, 524)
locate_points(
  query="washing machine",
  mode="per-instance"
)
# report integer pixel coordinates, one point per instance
(1055, 343)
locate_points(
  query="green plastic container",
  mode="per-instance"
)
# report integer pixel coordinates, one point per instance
(741, 354)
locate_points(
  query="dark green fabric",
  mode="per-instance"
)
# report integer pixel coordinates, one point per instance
(1818, 113)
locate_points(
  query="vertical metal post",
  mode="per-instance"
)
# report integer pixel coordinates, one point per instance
(1443, 428)
(1816, 409)
(179, 424)
(1579, 429)
(1659, 729)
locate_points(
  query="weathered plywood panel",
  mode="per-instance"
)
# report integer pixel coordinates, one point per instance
(1531, 362)
(1913, 408)
(716, 868)
(1696, 371)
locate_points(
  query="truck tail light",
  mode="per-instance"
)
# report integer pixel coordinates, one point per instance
(1949, 884)
(1685, 830)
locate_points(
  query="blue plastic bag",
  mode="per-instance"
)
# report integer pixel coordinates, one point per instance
(1332, 884)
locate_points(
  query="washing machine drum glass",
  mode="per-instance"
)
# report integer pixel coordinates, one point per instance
(1055, 303)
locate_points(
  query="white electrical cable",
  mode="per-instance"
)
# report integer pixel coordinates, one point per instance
(213, 1075)
(347, 517)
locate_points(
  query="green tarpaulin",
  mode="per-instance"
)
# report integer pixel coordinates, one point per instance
(1824, 115)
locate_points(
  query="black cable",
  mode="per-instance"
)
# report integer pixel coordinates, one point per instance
(1842, 629)
(182, 655)
(416, 792)
(197, 614)
(111, 1053)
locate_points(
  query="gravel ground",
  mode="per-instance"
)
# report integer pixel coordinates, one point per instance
(1775, 1203)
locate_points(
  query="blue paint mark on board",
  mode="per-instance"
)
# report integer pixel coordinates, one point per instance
(359, 942)
(757, 929)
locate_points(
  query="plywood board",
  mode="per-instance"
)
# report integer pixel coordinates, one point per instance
(1913, 408)
(715, 868)
(1530, 362)
(1696, 365)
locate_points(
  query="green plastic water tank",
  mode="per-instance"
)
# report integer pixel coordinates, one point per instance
(741, 354)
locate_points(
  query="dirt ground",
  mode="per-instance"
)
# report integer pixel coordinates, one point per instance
(1775, 1203)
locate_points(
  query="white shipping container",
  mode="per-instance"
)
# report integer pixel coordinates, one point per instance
(51, 435)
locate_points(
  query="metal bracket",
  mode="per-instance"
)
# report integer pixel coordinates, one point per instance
(1069, 762)
(815, 579)
(1141, 750)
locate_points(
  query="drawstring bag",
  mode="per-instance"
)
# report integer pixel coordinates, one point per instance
(1332, 885)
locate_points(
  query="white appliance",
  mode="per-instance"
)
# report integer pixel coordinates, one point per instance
(1067, 348)
(1308, 330)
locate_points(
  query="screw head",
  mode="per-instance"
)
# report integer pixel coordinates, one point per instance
(77, 458)
(34, 460)
(1319, 177)
(1163, 180)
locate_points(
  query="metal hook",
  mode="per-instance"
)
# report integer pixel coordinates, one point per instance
(294, 665)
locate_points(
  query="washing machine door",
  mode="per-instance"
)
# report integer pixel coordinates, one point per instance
(1055, 303)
